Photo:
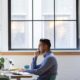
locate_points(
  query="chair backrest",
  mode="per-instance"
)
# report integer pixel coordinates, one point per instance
(53, 77)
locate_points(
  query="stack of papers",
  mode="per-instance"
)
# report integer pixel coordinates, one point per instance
(21, 73)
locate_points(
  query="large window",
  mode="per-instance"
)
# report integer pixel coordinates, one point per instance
(31, 20)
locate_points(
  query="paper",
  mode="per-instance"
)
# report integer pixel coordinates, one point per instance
(22, 73)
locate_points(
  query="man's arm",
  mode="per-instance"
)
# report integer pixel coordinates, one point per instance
(43, 68)
(34, 63)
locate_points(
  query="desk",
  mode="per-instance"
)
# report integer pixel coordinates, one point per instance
(18, 77)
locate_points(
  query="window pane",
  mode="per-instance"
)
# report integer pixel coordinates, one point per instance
(65, 34)
(21, 35)
(44, 29)
(65, 9)
(43, 8)
(21, 9)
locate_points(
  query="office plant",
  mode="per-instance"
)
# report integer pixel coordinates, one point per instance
(2, 62)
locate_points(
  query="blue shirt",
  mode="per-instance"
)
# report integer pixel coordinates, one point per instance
(47, 68)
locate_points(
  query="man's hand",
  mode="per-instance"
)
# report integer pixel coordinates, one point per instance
(22, 70)
(37, 53)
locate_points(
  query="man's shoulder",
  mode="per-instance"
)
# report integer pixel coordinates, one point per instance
(51, 56)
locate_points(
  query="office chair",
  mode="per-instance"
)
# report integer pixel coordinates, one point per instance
(53, 77)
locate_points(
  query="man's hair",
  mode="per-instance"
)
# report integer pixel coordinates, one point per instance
(46, 41)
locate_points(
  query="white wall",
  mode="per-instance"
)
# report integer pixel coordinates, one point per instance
(4, 25)
(0, 24)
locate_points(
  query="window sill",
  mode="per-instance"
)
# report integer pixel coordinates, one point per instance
(56, 52)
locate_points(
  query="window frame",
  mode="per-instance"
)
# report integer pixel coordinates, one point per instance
(77, 27)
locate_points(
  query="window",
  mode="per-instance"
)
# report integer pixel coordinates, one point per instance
(31, 20)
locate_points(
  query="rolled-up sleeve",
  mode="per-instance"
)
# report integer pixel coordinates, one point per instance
(47, 64)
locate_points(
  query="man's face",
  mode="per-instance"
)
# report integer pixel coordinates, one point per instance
(42, 47)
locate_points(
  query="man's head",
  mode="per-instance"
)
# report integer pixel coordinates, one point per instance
(44, 45)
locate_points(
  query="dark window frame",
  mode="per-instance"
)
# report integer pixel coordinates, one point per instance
(9, 27)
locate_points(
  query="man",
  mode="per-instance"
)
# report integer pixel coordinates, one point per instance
(48, 68)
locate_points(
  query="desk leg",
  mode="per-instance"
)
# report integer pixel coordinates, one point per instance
(18, 79)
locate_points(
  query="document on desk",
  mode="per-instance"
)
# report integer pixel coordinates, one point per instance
(12, 74)
(21, 73)
(24, 73)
